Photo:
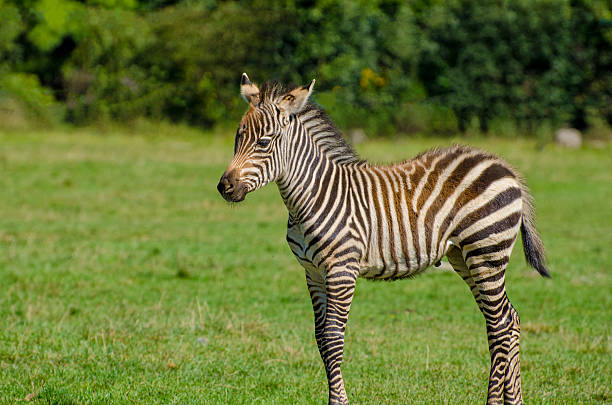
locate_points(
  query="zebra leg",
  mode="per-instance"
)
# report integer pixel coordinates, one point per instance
(512, 382)
(455, 258)
(503, 329)
(503, 326)
(318, 296)
(340, 287)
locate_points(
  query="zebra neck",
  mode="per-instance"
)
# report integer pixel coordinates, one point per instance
(326, 136)
(311, 178)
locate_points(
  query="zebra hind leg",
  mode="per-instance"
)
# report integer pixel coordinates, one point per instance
(486, 280)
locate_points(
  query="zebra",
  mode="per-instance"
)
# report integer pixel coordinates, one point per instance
(349, 218)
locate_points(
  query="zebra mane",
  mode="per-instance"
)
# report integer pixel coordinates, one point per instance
(272, 92)
(317, 123)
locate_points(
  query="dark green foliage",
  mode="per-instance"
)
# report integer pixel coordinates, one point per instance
(103, 78)
(198, 52)
(527, 61)
(387, 65)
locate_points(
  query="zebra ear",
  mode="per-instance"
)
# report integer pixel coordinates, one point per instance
(249, 90)
(296, 99)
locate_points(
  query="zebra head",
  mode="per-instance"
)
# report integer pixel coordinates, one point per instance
(262, 137)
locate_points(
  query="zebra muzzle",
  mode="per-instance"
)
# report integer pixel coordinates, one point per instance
(230, 188)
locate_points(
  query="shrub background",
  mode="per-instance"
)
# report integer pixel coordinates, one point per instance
(388, 66)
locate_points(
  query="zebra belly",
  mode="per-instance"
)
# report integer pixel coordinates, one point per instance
(389, 270)
(373, 267)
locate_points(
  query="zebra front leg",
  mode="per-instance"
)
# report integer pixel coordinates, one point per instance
(318, 296)
(340, 287)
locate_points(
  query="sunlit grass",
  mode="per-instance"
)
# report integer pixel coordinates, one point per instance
(125, 278)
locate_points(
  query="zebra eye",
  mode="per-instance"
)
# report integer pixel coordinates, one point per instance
(263, 142)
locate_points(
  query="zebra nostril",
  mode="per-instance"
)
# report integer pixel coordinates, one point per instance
(221, 187)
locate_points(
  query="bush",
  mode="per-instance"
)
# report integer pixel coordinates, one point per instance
(24, 102)
(103, 77)
(528, 61)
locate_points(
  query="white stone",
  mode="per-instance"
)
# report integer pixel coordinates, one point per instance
(357, 135)
(568, 137)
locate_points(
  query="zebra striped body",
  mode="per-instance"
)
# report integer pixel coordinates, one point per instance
(403, 218)
(350, 219)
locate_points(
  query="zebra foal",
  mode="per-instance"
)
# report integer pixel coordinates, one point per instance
(349, 219)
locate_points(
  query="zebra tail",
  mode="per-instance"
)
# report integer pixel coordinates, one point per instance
(532, 244)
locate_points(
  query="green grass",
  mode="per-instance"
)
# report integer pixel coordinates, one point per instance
(124, 278)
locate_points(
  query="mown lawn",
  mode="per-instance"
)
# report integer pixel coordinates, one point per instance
(125, 278)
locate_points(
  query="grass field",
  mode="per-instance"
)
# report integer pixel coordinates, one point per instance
(125, 278)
